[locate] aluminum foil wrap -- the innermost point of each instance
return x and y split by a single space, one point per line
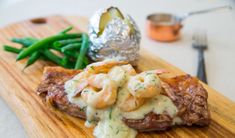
115 41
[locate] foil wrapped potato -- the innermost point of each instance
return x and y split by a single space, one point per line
113 35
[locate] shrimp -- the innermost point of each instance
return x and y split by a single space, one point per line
145 85
104 66
131 103
120 74
77 84
129 69
159 71
97 98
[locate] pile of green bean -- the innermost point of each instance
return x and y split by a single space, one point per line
72 49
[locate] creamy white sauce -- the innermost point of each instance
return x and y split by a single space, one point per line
111 125
78 101
70 89
177 121
70 86
158 105
118 75
108 122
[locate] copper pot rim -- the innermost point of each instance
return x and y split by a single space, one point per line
157 18
163 27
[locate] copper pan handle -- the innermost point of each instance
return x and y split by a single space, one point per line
206 11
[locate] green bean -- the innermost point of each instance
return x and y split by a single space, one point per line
67 62
32 59
51 56
12 49
66 30
75 55
25 42
43 43
70 65
74 46
86 61
62 43
56 48
71 54
64 60
83 50
83 66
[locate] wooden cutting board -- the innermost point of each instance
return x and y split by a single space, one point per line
17 88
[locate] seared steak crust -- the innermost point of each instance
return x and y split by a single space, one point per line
151 122
187 94
51 89
190 98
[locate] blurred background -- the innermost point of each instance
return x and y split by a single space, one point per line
220 27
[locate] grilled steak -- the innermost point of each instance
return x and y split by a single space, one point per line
151 122
186 92
190 98
51 89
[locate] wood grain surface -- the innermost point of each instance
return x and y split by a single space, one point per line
17 88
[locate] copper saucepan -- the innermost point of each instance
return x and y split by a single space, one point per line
166 27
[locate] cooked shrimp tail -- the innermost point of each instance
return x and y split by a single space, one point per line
101 91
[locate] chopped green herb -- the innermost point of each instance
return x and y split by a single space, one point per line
148 73
139 86
83 109
154 81
90 121
92 67
123 130
85 90
110 113
165 100
117 131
